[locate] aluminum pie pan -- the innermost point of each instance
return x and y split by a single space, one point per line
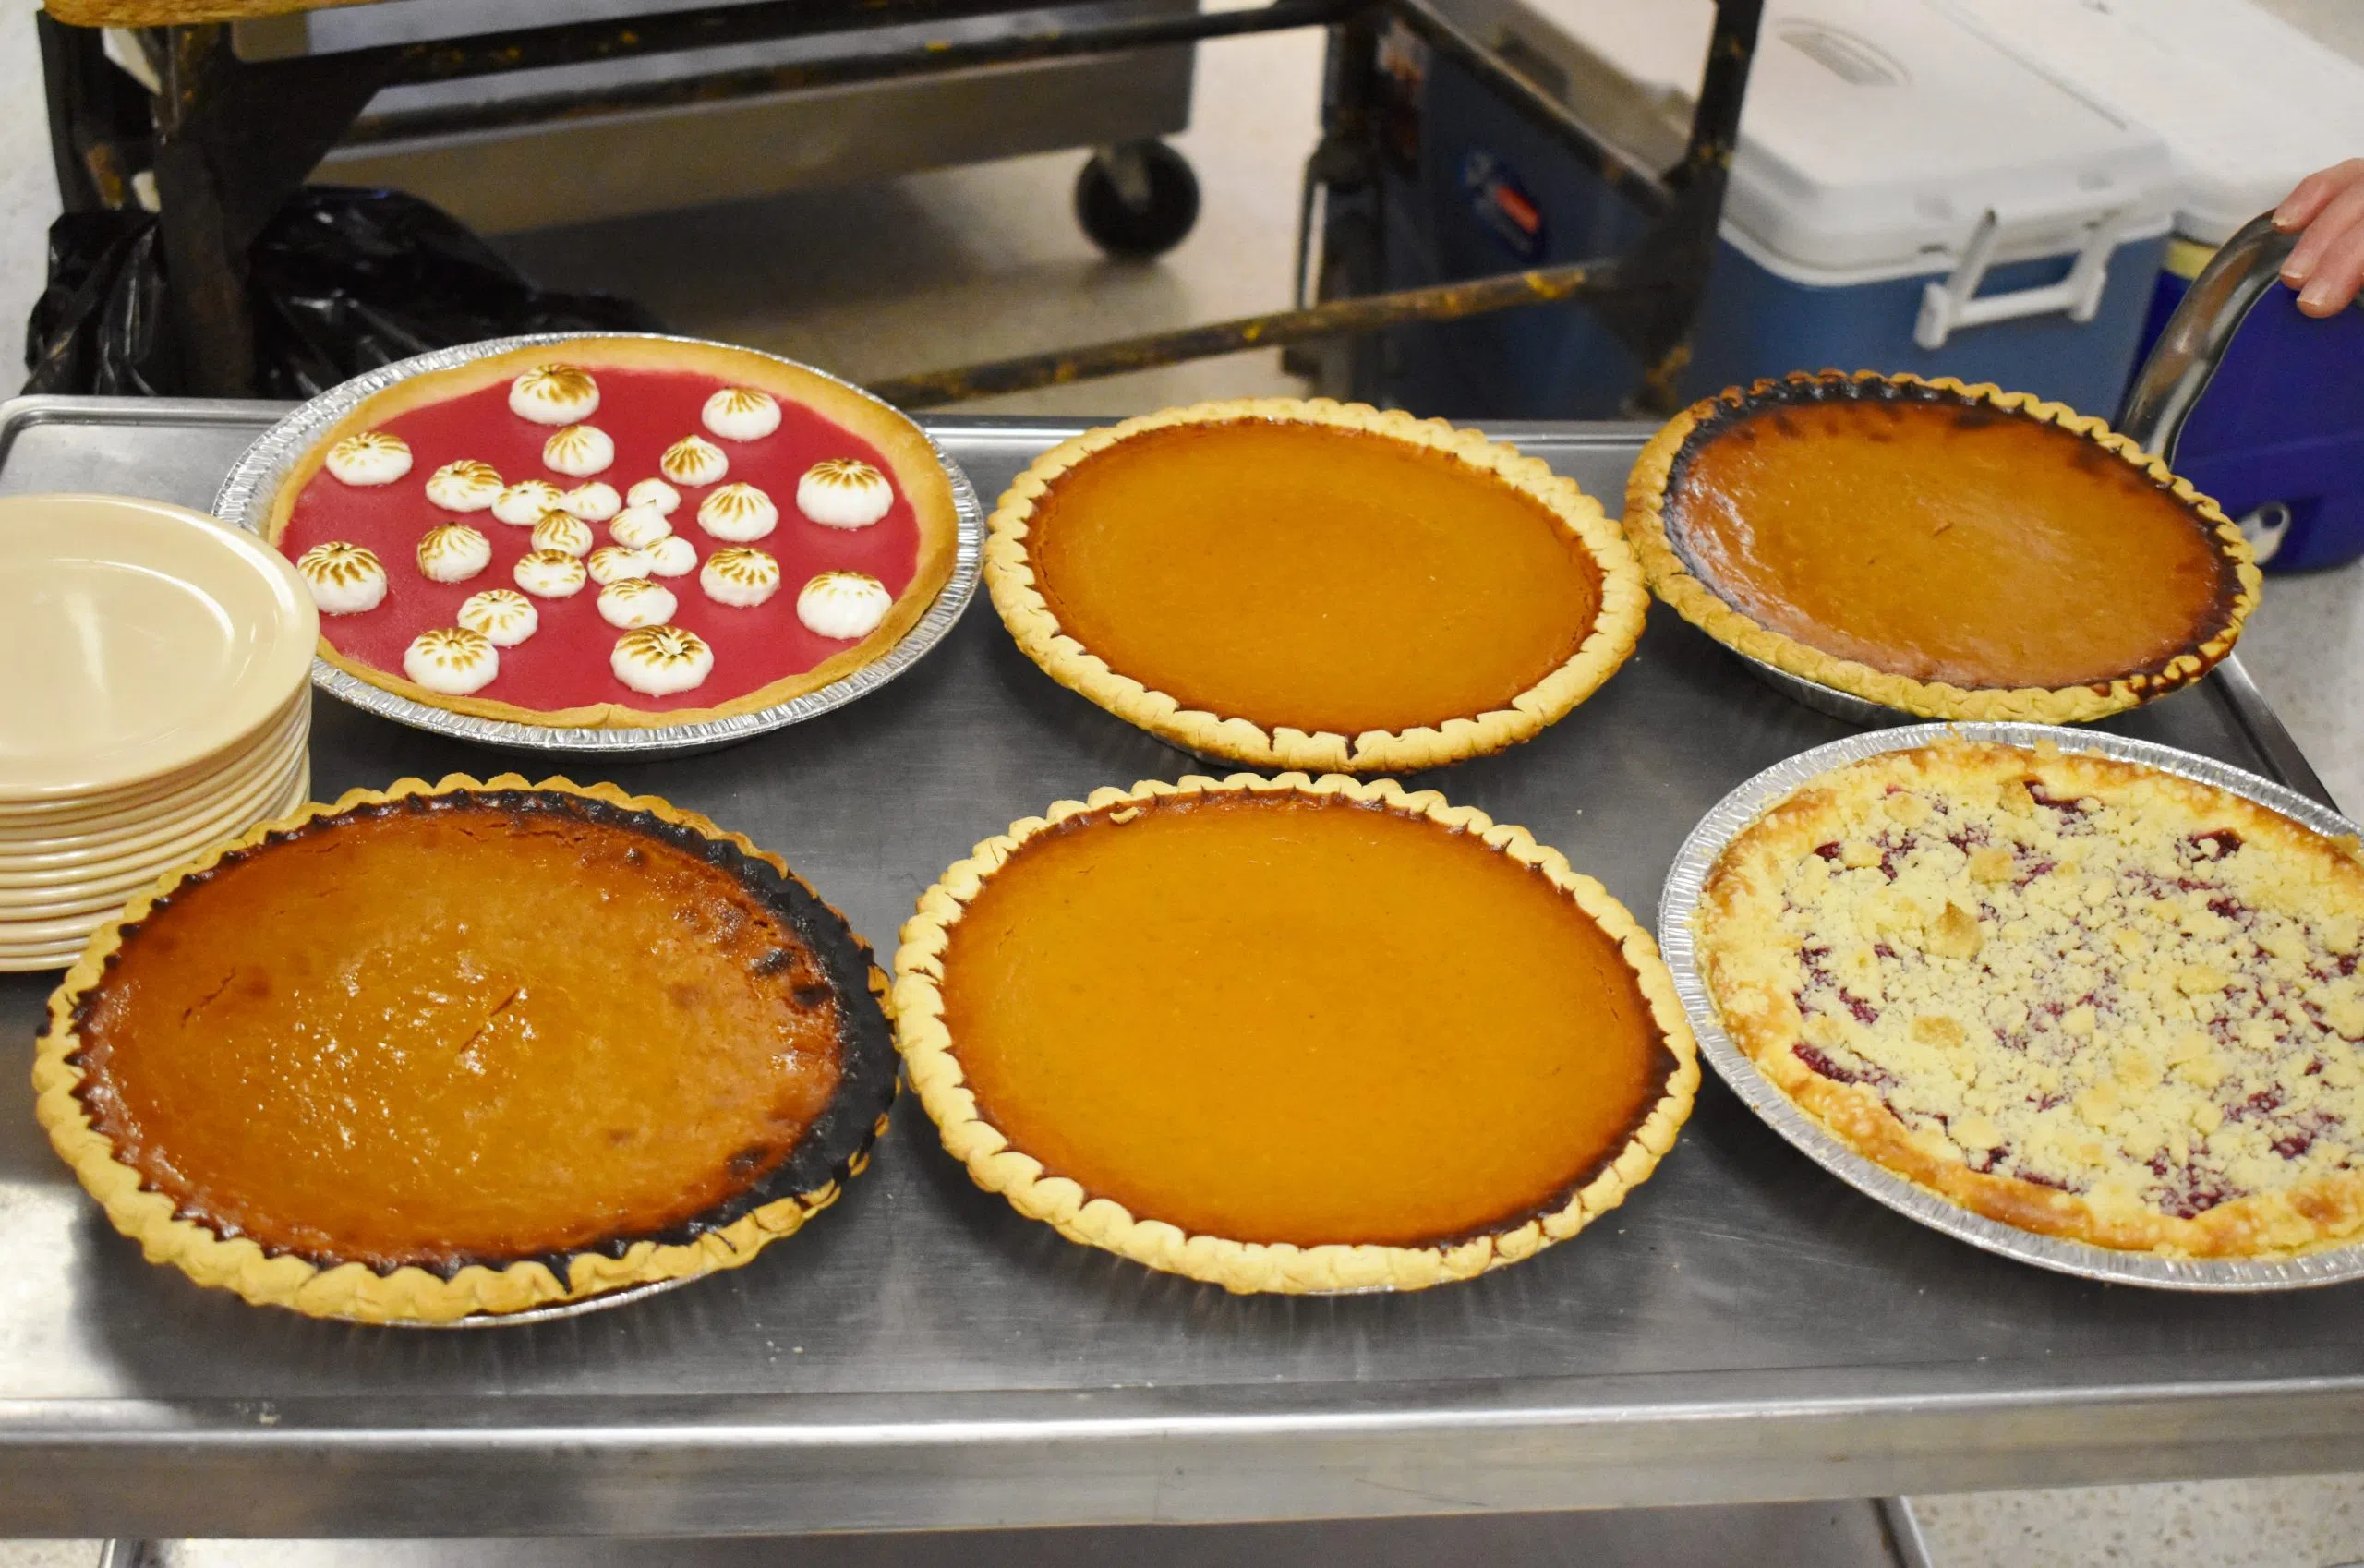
1726 820
246 496
575 1309
1823 699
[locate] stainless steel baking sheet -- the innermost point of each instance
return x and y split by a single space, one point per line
1744 1327
1732 816
245 500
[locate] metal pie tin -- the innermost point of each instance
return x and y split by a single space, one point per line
246 496
1736 811
574 1309
1822 698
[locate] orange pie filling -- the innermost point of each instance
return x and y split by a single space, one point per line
1292 1017
1945 541
1309 576
446 1031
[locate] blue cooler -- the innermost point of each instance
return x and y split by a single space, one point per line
2247 105
1906 196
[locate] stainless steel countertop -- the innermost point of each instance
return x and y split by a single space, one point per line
1745 1328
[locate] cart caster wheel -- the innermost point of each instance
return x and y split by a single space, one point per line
1137 200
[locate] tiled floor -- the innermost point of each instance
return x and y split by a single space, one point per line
965 264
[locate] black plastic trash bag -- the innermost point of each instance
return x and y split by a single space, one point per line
342 281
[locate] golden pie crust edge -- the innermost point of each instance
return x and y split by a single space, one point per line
1740 895
1617 626
355 1292
916 471
993 1163
1696 601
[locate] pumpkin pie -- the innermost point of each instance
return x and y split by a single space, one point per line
2073 993
1290 1034
1313 585
467 1050
551 474
1951 550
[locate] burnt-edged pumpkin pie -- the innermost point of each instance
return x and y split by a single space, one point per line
467 1050
620 532
1951 550
1291 1034
2073 994
1313 585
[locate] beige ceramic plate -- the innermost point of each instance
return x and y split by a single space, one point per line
32 939
180 792
141 838
18 961
163 638
120 874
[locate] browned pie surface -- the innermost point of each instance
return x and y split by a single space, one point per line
429 1036
1947 543
1291 1019
1301 575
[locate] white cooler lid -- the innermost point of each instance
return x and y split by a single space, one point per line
1877 134
2247 105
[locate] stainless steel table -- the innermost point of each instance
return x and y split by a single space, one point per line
1745 1328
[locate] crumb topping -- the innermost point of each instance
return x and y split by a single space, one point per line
2090 977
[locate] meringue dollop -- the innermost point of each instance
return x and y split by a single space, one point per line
693 460
741 414
671 556
453 552
844 492
594 502
563 531
464 486
613 563
505 616
638 527
579 452
844 605
661 660
739 577
523 503
635 601
550 574
451 661
369 457
554 395
655 494
738 513
344 579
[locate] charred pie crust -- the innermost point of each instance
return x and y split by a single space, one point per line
916 471
1658 469
835 1147
930 1059
1010 578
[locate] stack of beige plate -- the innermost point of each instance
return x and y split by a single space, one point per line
159 702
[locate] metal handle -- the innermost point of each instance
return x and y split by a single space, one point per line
2162 398
2187 355
1949 307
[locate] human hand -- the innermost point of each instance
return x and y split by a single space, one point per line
2327 265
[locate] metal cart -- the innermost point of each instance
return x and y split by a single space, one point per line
1743 1329
239 108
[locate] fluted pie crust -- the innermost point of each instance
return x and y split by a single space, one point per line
746 1221
1656 471
915 471
935 1073
2071 993
1011 577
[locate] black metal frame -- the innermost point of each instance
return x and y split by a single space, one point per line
230 139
